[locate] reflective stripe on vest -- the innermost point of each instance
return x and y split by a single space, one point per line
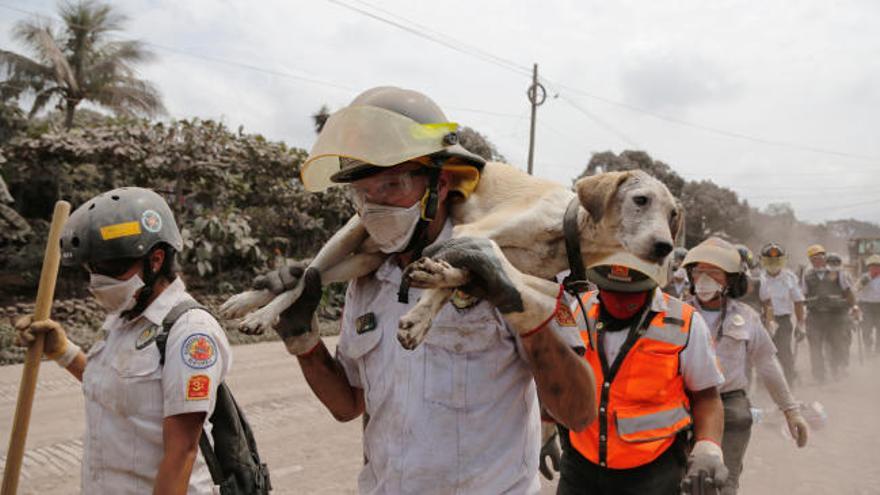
644 405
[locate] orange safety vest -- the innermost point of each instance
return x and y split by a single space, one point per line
642 404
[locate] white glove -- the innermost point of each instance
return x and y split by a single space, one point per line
706 457
55 345
797 426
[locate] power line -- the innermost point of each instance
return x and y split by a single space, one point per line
506 63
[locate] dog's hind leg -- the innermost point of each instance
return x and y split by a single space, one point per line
245 302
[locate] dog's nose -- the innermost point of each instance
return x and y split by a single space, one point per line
661 249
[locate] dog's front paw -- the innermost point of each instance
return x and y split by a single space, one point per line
413 326
242 304
257 322
427 273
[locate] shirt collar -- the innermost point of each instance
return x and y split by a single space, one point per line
157 310
658 302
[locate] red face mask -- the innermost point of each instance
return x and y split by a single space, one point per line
623 305
874 271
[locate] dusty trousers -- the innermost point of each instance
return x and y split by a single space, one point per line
737 431
579 476
871 326
830 338
784 348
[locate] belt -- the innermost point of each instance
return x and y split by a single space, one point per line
732 394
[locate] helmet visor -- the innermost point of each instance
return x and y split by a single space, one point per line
773 264
371 135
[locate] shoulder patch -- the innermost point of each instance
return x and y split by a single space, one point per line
146 337
199 351
365 323
197 387
564 317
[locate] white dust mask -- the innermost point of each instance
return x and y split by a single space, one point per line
391 226
114 295
706 288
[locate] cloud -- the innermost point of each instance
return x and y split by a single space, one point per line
674 82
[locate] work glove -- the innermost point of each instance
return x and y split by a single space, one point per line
281 279
706 468
550 450
797 426
855 313
55 344
298 325
488 281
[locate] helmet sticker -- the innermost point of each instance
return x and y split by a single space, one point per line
152 221
115 231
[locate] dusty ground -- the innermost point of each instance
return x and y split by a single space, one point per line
308 452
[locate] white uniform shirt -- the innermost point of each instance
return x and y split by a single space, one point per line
870 291
782 290
697 361
459 413
128 394
742 343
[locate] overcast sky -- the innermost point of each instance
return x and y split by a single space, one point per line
798 81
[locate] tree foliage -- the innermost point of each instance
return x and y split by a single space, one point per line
79 62
237 197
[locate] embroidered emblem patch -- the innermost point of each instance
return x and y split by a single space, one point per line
365 323
146 337
199 351
619 272
197 387
564 317
151 221
462 300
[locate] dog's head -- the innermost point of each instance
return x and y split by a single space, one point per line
635 210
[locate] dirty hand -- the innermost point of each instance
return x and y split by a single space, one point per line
489 281
855 313
298 325
55 344
800 331
550 449
797 426
281 279
705 457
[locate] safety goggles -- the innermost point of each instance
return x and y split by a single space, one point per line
715 273
112 268
388 189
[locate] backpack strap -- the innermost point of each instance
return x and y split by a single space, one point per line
170 319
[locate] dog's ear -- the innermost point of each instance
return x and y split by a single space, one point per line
676 224
596 192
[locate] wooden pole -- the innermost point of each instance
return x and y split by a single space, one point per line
28 385
537 94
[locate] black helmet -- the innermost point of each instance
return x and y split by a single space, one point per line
746 256
772 250
833 259
123 223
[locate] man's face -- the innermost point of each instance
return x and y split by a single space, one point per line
874 271
818 261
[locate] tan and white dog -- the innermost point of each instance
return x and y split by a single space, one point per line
523 215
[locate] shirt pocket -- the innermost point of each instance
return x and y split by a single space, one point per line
732 351
652 367
139 379
461 363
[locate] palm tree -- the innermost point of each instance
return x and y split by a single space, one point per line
80 63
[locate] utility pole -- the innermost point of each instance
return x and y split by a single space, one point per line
537 94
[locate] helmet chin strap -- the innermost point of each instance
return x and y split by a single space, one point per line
419 240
